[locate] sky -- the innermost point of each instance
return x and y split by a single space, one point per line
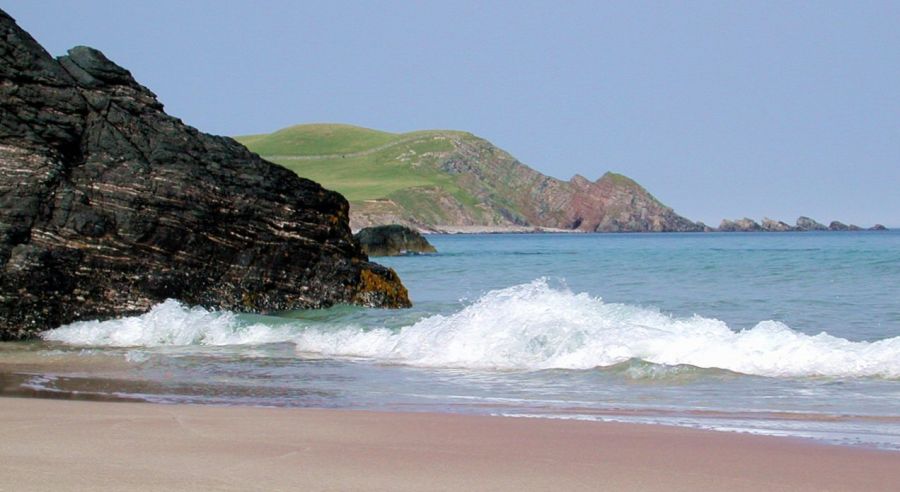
720 109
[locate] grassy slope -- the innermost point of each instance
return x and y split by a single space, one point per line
316 140
361 164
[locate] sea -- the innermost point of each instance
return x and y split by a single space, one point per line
785 334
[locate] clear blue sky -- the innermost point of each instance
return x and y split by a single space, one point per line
720 109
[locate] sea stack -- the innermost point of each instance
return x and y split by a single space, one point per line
108 206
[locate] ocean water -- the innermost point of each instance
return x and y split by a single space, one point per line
793 334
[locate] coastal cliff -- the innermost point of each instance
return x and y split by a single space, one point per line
109 206
442 180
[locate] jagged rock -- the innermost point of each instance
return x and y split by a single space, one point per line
392 240
613 203
108 206
740 225
807 224
838 226
878 227
770 225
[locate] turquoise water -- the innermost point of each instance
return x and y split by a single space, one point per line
785 334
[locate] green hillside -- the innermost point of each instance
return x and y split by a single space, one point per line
364 164
317 140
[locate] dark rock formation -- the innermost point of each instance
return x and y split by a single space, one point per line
853 227
878 227
807 224
108 206
392 240
740 225
770 225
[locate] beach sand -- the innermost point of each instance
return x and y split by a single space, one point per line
76 445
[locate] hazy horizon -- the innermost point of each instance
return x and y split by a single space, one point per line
719 110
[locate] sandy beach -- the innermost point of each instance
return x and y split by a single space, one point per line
75 445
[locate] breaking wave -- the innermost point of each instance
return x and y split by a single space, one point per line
532 326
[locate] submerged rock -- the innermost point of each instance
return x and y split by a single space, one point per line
807 224
109 206
392 240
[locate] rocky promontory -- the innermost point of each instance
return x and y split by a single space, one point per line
108 206
392 240
461 182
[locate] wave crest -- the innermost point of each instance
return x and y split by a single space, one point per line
168 323
532 326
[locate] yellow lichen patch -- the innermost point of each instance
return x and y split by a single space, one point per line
390 290
248 299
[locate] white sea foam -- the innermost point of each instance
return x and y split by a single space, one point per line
526 327
168 323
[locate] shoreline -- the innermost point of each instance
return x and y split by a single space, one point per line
474 230
77 445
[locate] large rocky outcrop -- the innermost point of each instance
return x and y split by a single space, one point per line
108 206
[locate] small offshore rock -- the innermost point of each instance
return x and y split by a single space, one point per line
838 226
806 224
770 225
740 225
878 227
392 240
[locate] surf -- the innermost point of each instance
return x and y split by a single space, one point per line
532 326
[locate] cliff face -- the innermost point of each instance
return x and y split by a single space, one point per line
523 196
108 206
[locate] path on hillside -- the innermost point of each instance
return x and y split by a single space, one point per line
361 153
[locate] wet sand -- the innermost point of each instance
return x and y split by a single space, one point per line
76 445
